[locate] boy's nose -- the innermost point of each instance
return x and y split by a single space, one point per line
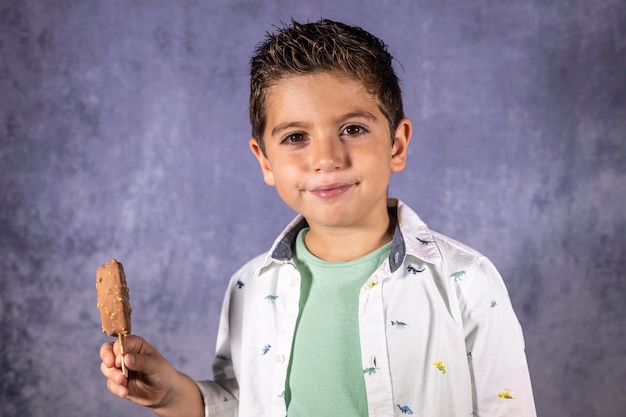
328 155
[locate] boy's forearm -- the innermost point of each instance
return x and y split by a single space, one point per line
185 400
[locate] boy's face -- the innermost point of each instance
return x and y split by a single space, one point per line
328 150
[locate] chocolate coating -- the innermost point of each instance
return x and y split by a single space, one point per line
113 298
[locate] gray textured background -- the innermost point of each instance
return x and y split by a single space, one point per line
124 132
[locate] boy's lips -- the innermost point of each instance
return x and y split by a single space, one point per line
329 191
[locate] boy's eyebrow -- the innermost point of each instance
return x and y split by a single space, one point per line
289 125
358 113
284 126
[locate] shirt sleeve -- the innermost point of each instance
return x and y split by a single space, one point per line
221 396
495 348
219 400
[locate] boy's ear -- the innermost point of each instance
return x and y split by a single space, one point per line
266 168
400 146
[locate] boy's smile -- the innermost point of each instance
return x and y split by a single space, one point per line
329 153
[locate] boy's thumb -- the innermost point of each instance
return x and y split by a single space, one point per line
135 344
144 363
140 356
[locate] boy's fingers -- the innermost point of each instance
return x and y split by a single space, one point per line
113 374
139 355
117 389
107 355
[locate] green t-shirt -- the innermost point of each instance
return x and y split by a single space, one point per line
325 376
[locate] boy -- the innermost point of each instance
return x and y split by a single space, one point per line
358 308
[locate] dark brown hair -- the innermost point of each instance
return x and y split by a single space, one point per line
306 48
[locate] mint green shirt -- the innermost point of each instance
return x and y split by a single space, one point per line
325 376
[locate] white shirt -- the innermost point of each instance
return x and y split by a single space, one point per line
438 333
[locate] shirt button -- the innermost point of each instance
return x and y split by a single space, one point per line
280 358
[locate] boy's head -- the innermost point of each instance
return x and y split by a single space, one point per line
323 46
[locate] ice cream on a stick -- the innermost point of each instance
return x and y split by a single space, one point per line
114 303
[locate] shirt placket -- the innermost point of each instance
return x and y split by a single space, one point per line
374 353
287 310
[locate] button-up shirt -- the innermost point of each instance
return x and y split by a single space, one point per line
438 333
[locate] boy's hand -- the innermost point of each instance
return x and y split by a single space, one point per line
152 381
147 384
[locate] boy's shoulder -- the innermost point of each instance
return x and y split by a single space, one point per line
431 245
252 266
452 247
466 268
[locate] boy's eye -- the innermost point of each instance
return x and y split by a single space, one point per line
293 138
354 130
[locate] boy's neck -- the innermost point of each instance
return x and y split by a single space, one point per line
347 244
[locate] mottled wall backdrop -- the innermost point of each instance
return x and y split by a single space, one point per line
124 132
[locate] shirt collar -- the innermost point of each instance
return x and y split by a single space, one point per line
411 237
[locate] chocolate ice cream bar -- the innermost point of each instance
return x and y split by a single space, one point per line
114 302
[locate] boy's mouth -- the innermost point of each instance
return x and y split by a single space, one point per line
330 191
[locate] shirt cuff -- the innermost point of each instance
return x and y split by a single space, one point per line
218 400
